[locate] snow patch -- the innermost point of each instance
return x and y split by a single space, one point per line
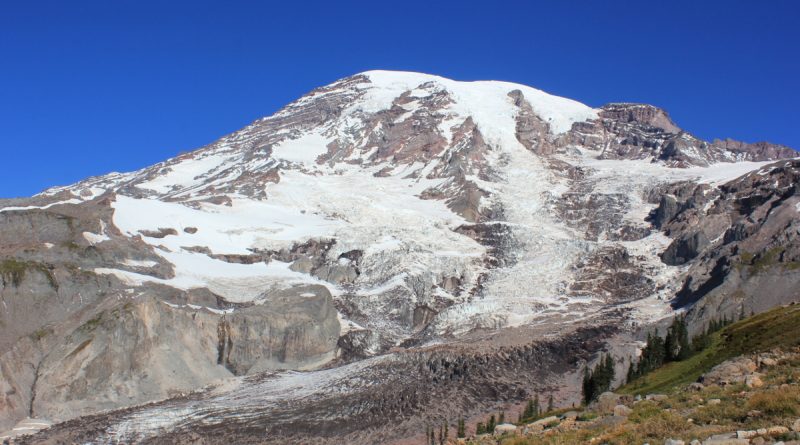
304 150
486 101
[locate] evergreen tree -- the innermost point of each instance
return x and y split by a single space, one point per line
676 344
480 429
536 409
441 436
550 406
598 380
683 340
631 371
670 344
491 424
652 354
446 432
462 431
586 388
527 413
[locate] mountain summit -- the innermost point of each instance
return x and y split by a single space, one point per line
391 246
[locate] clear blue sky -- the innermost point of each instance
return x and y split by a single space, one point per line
88 87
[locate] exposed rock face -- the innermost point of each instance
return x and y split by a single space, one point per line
685 248
641 114
127 355
532 131
295 328
417 386
638 131
420 245
749 236
610 273
132 353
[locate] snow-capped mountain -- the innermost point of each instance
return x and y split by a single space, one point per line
388 221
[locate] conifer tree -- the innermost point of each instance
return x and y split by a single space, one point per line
586 387
462 431
598 380
527 413
683 340
631 371
480 429
536 407
550 406
491 424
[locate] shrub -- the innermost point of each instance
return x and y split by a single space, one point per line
777 402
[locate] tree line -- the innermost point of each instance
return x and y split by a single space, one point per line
675 346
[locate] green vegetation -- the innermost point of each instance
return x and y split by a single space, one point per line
777 327
598 380
531 410
92 323
431 438
688 415
764 261
14 271
71 245
41 333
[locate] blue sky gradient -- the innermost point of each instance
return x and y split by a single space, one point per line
89 87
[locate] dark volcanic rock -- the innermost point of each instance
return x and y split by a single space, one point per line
685 248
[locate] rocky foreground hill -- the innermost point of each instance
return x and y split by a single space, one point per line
390 250
742 388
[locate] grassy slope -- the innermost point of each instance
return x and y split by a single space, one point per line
779 327
651 422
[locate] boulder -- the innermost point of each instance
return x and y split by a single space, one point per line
768 361
505 428
696 386
569 415
606 402
622 410
725 441
796 426
656 397
730 372
714 401
776 430
673 442
746 434
753 381
544 422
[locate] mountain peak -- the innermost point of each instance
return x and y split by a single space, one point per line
386 211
